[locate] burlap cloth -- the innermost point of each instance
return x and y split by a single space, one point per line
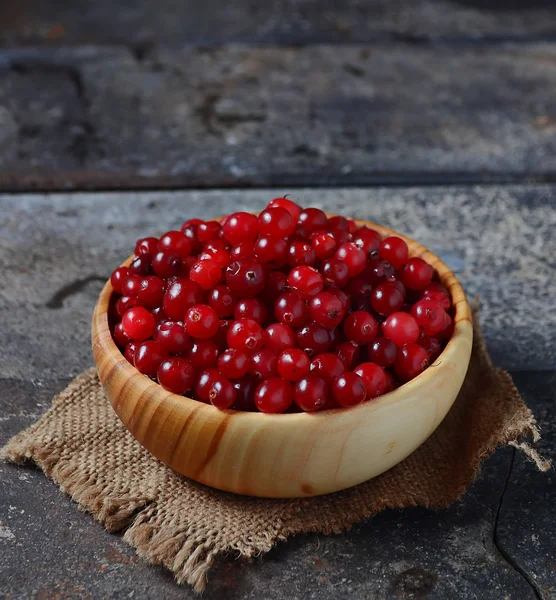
81 444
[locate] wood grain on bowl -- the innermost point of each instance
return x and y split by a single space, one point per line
286 455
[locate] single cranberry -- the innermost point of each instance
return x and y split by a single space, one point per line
431 344
159 315
275 284
354 258
324 245
181 295
293 364
328 366
342 297
417 274
208 231
310 220
204 384
148 357
447 329
177 242
222 393
313 338
340 237
271 250
251 308
291 310
124 303
121 338
393 280
264 363
349 389
173 337
201 321
273 395
386 299
206 273
367 240
279 337
130 350
189 230
216 255
220 299
352 226
141 265
394 250
151 292
390 382
147 245
412 359
246 334
429 315
293 208
360 291
383 352
245 277
233 364
301 253
349 354
327 309
117 279
131 284
240 227
306 280
401 328
436 291
310 393
276 221
335 273
176 375
138 323
339 223
167 263
245 393
203 354
360 327
374 378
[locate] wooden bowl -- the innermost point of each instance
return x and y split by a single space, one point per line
289 455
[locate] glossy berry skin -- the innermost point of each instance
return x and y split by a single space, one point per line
233 364
311 219
374 378
206 273
342 297
279 337
328 366
120 336
324 245
301 253
401 328
159 315
138 324
308 282
247 335
417 274
273 395
349 354
240 227
335 273
313 338
245 277
349 389
181 295
264 364
124 303
177 375
271 251
386 299
431 345
217 251
429 315
141 265
150 292
203 354
311 393
412 360
204 384
221 300
117 279
327 309
276 221
436 291
147 245
201 321
148 357
208 231
167 263
243 250
275 284
222 393
177 242
447 328
130 285
251 308
339 223
367 240
129 352
383 352
353 257
360 327
245 393
394 250
173 337
293 208
360 292
293 364
291 310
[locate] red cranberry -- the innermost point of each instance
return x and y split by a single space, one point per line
221 301
206 273
222 393
173 337
311 393
203 354
147 245
276 221
131 284
181 295
201 321
176 375
243 250
349 354
151 292
447 329
335 273
429 315
293 364
276 283
383 352
313 338
394 250
245 393
233 364
177 242
417 274
327 309
291 310
129 353
245 277
271 250
167 263
306 280
360 327
374 378
124 303
301 253
251 308
339 223
204 384
401 328
349 389
208 231
342 297
279 336
148 357
367 240
360 292
293 208
264 363
246 334
386 299
328 366
117 279
138 323
412 359
324 245
431 345
241 227
353 257
390 382
120 336
310 220
220 337
436 291
141 265
273 395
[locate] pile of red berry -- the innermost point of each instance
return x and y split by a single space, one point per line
287 311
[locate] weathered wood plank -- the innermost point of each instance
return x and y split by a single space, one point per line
276 116
56 251
273 21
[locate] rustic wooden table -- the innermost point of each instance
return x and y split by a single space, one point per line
436 118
